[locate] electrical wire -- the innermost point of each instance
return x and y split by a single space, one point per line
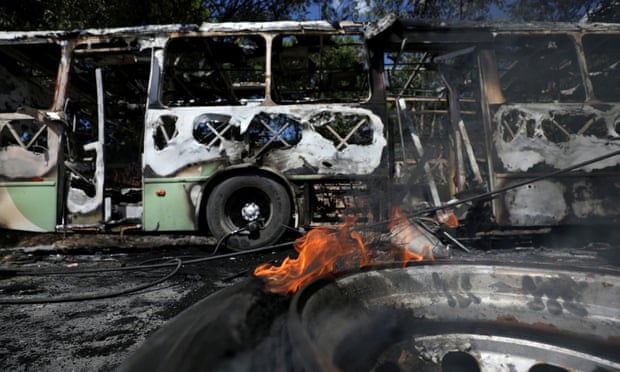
17 272
176 262
490 194
46 300
224 238
502 190
240 253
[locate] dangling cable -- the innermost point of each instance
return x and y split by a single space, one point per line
47 300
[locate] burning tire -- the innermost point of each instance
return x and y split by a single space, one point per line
248 211
442 317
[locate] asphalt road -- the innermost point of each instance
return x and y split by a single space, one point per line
82 334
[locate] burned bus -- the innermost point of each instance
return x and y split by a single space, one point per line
243 130
498 105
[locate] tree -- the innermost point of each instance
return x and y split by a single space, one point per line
513 10
441 9
26 14
254 10
550 10
606 11
77 14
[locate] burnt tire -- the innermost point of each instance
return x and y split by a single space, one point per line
224 211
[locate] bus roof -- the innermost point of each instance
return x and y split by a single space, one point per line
384 29
394 24
288 26
34 37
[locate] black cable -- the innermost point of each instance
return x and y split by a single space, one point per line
177 261
47 300
491 194
92 271
224 238
240 253
15 272
143 263
518 184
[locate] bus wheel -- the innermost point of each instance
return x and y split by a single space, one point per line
248 212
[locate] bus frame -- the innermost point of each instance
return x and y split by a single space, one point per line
246 129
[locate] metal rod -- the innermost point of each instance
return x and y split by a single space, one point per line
458 244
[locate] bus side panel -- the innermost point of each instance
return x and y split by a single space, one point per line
29 172
168 205
28 206
31 132
562 109
567 200
534 139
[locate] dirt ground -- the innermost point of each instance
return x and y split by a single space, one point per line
99 334
39 334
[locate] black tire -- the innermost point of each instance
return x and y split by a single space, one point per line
228 198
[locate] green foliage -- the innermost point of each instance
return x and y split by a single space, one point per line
75 14
512 10
550 10
606 11
441 9
254 10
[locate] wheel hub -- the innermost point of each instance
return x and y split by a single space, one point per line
250 212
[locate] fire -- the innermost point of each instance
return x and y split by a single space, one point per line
409 239
320 251
323 251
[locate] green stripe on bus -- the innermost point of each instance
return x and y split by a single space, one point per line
36 201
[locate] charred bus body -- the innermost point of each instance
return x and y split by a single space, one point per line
223 127
521 102
248 128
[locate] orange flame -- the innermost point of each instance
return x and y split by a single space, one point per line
320 250
323 251
448 218
404 235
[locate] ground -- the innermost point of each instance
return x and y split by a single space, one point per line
37 334
100 334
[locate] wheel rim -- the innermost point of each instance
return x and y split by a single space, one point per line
489 312
247 205
250 212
